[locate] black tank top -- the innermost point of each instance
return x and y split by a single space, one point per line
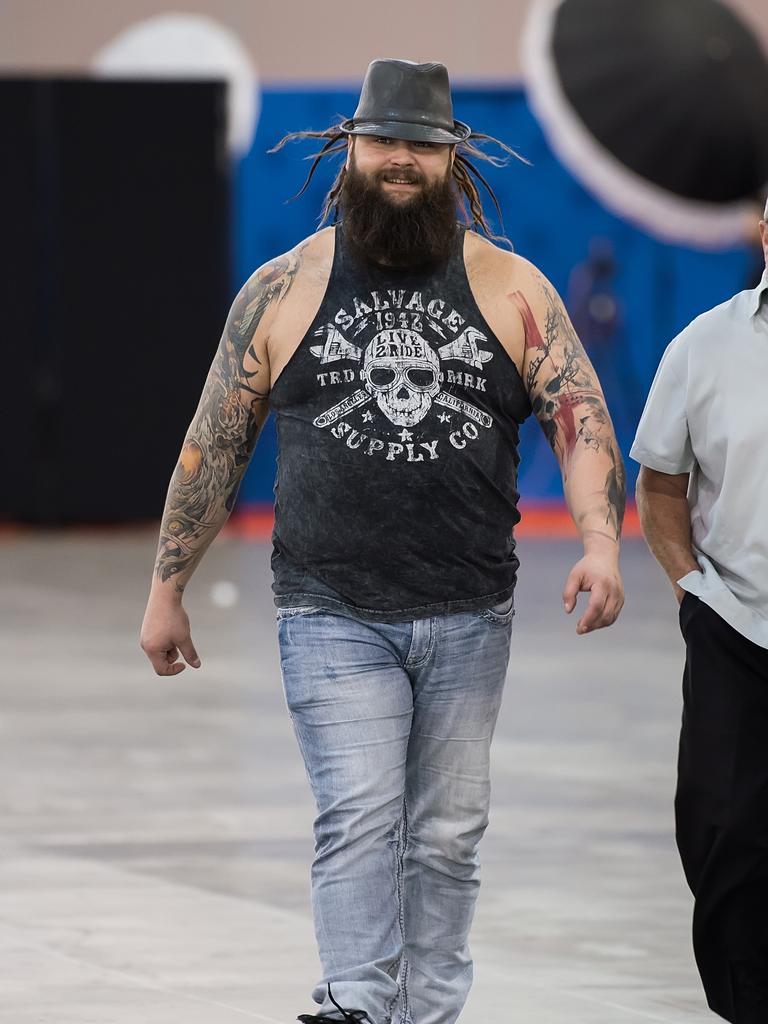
397 424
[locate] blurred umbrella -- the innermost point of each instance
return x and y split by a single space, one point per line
659 107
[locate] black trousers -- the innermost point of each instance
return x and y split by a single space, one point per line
721 810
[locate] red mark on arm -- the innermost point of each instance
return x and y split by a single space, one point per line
533 338
566 403
567 421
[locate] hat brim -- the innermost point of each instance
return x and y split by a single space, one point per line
409 132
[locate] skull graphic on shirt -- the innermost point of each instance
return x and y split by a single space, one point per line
402 372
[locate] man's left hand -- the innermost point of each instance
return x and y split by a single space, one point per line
598 574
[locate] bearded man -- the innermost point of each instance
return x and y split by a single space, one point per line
400 352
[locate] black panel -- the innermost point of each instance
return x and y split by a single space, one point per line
115 217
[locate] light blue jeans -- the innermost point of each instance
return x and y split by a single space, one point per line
394 722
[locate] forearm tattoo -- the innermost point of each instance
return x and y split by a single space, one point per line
223 432
566 398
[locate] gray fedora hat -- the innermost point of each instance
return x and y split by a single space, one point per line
404 100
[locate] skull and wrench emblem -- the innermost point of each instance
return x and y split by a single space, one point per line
402 372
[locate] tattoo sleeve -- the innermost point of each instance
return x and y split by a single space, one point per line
222 435
568 402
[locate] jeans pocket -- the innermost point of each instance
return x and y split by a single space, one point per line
500 614
292 612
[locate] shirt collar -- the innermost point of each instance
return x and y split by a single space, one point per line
756 297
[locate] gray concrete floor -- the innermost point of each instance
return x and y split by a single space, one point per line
156 833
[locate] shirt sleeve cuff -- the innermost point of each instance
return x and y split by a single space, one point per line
662 465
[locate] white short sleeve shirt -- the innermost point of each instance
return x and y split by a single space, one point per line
707 415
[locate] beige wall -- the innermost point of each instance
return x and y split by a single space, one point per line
314 40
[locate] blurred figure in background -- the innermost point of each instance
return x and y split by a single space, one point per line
399 390
702 494
592 299
598 317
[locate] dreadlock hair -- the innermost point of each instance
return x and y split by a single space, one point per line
462 169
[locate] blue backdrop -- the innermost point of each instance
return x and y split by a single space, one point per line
548 216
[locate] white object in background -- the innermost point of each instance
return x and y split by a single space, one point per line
190 46
224 594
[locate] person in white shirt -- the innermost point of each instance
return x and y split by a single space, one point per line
702 495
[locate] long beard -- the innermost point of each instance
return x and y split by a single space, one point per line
397 233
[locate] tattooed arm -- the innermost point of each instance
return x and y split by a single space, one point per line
568 402
214 456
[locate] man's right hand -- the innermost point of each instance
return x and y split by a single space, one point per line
165 636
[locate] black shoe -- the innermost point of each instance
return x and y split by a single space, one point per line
356 1016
